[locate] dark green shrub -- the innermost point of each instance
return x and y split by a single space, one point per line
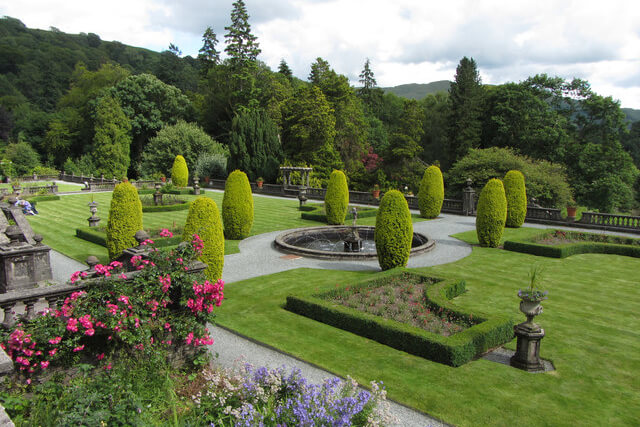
492 214
166 208
336 199
204 220
394 231
546 181
516 194
125 218
317 213
179 172
431 194
237 206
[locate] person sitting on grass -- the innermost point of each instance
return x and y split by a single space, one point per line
27 208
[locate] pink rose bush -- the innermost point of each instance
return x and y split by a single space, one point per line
159 306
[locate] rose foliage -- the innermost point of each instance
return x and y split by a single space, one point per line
159 307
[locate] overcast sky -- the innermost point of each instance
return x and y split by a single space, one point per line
407 41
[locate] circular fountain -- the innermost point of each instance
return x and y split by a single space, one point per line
342 242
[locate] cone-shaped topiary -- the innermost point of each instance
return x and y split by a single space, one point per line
204 220
516 194
394 231
179 172
336 199
492 214
431 193
237 206
125 219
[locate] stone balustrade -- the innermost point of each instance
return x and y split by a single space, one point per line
610 221
535 214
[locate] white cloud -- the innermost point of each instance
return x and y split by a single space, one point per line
408 41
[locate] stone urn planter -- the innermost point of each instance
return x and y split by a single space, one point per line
530 309
375 192
259 182
571 212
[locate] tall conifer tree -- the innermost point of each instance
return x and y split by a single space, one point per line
466 97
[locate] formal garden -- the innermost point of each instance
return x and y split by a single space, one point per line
130 345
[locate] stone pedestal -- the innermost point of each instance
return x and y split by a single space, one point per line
527 355
196 186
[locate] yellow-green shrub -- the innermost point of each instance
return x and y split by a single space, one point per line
336 199
204 220
237 206
394 231
516 194
431 193
492 214
180 172
125 219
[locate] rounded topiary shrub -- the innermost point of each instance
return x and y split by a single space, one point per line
394 231
125 219
179 172
336 199
516 194
431 193
492 214
204 220
237 206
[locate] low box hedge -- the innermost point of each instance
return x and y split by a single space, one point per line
99 237
531 246
166 208
454 350
183 191
317 213
43 198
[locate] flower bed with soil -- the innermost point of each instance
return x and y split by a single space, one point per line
410 312
563 243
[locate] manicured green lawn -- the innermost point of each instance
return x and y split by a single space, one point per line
62 187
59 219
592 337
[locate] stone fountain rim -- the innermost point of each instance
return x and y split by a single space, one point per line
344 256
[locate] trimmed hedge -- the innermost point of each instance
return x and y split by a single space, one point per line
237 206
204 219
492 214
179 172
516 194
44 198
125 219
316 213
95 235
454 350
166 208
183 191
394 231
431 193
336 199
529 246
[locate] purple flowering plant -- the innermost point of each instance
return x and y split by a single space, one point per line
532 293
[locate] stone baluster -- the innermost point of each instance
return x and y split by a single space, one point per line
9 319
29 308
54 301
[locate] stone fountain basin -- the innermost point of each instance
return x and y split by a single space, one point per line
294 242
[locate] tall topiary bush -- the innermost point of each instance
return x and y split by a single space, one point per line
204 220
179 172
336 199
394 231
237 206
125 219
492 214
516 194
431 193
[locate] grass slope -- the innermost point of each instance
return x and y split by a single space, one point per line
590 321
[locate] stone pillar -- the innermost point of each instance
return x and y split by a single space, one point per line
93 219
157 196
469 199
196 187
527 355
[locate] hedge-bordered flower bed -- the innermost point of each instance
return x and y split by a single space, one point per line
454 350
593 244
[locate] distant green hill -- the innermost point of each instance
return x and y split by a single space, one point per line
417 90
632 115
